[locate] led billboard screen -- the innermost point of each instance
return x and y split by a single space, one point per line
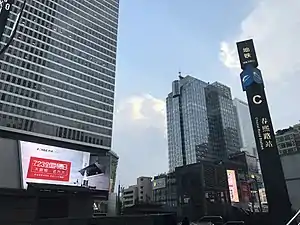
234 195
54 165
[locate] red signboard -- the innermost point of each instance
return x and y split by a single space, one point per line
48 169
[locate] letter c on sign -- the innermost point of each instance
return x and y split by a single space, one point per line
257 99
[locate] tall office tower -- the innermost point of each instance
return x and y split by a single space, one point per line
246 136
58 76
187 122
223 131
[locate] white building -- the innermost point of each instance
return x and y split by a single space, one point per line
129 196
139 193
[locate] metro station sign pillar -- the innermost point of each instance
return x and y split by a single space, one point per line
275 185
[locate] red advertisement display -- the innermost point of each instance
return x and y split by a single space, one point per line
49 169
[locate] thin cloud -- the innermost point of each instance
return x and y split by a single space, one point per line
274 26
139 137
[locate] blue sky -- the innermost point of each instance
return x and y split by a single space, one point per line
157 38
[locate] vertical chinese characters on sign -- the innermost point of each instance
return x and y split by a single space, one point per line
246 52
266 132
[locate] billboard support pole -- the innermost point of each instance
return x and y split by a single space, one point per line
276 190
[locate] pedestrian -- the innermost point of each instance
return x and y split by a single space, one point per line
185 221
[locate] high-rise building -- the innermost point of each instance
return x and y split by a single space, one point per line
246 135
58 76
187 122
200 122
223 133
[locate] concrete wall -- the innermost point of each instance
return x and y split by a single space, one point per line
78 206
291 168
112 204
144 185
129 196
9 164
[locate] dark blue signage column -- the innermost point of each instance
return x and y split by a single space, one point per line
275 186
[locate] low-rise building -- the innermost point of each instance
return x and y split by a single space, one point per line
130 196
144 185
164 190
138 193
288 142
206 188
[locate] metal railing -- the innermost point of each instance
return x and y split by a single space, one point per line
293 218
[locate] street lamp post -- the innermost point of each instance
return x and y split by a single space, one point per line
5 7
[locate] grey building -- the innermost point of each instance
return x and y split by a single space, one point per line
291 168
200 122
144 185
58 76
187 122
165 190
246 135
138 193
130 196
223 131
288 142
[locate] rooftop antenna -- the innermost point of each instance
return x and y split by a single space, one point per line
179 75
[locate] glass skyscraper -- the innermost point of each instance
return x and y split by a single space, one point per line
246 135
58 76
187 123
201 122
223 130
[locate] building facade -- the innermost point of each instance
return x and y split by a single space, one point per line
58 76
144 185
130 196
246 135
223 131
201 122
203 188
139 193
164 190
187 123
288 142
